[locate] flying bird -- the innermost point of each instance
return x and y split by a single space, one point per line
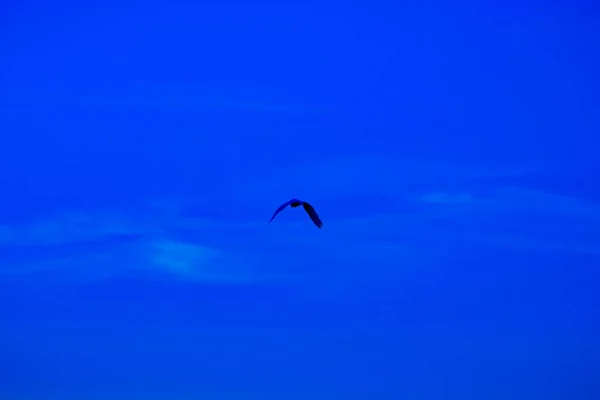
307 207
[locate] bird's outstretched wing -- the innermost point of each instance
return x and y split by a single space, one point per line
281 207
312 214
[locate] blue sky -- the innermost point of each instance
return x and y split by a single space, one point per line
451 152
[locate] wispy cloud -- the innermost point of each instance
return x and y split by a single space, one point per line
379 176
408 220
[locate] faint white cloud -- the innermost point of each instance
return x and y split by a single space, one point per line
73 261
192 261
367 246
352 176
70 227
197 262
99 245
450 206
535 202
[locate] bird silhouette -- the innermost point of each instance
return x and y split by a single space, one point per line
307 207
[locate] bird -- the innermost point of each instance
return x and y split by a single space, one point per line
307 207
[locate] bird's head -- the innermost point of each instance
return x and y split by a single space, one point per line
295 203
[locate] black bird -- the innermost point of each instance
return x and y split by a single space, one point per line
307 207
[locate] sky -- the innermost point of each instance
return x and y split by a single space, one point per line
450 150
